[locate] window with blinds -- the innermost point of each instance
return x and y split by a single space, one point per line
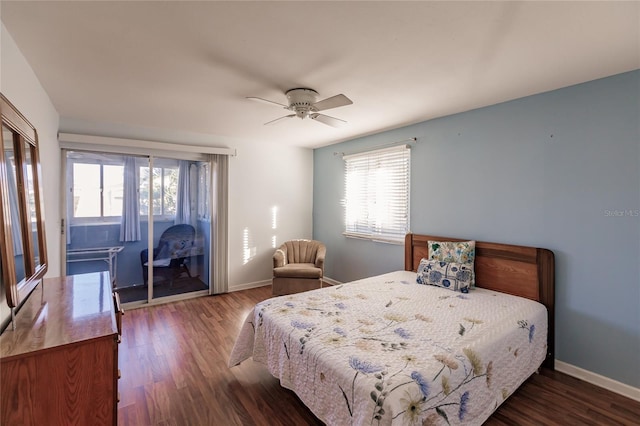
377 194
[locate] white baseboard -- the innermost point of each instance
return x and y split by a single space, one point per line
598 380
247 286
330 281
256 284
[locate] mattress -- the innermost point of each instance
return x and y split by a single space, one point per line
388 351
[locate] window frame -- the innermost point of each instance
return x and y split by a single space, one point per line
88 220
367 225
93 158
162 165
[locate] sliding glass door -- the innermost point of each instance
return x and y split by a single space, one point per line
144 219
178 261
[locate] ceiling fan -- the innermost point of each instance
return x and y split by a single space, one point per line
303 102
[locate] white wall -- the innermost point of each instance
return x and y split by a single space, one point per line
266 180
20 85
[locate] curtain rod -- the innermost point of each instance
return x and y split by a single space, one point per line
372 148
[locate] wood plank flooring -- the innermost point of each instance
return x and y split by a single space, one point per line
173 360
162 289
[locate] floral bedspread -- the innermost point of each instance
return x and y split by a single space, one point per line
388 351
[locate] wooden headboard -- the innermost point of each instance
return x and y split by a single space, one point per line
519 270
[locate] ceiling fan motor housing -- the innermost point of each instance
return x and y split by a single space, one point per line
301 101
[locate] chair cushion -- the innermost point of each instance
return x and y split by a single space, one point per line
298 270
162 263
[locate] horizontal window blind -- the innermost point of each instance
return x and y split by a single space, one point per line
377 194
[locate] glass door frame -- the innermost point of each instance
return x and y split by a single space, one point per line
151 300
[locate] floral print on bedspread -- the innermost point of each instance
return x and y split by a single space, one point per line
387 351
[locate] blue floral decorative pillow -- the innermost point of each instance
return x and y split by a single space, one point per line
450 275
463 252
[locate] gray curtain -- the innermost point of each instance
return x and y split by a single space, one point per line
219 216
130 220
183 205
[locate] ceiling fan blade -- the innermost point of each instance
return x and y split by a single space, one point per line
266 101
329 121
332 102
269 123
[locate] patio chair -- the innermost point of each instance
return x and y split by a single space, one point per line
171 257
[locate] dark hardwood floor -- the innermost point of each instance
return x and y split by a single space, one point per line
173 359
165 288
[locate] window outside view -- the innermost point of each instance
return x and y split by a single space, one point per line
98 190
165 191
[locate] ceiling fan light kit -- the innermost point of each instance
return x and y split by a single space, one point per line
303 103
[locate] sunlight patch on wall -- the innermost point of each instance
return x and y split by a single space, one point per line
274 217
248 248
274 225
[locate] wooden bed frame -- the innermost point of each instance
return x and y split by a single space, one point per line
519 270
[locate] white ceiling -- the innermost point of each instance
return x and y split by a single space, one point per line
188 66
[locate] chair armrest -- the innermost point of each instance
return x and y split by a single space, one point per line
322 251
280 257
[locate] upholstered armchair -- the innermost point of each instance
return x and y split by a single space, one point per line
298 265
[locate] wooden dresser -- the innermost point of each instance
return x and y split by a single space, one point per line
60 365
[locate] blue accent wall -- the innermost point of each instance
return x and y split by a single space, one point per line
559 170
